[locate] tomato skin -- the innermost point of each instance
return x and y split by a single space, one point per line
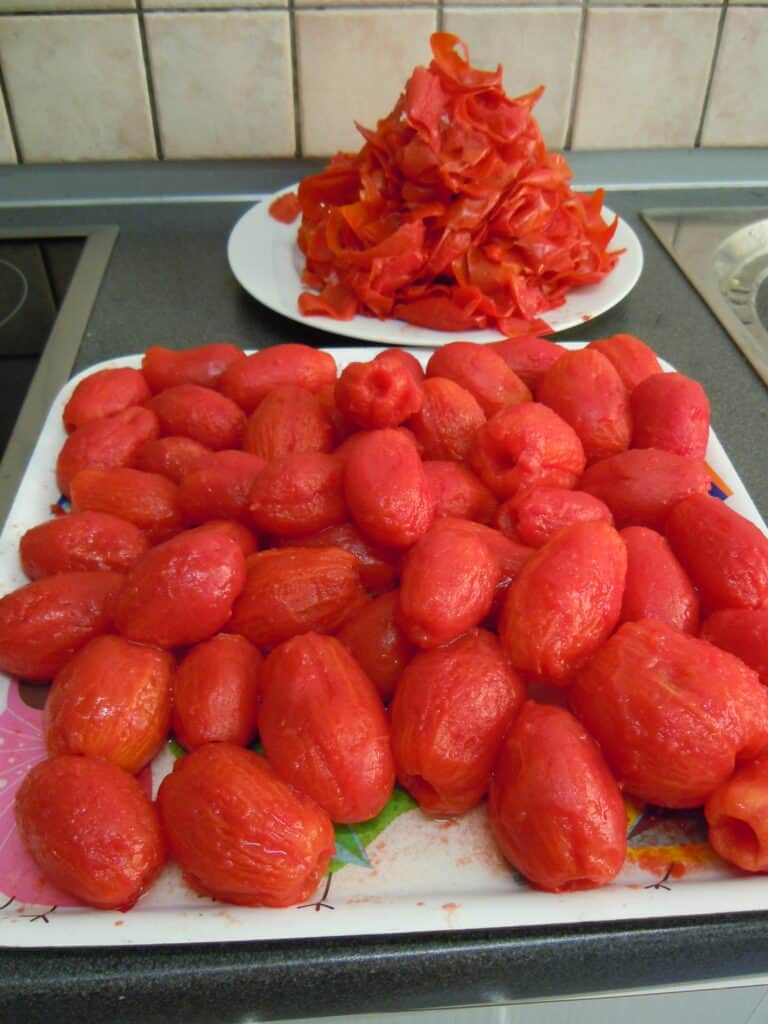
386 489
373 637
182 591
204 364
171 456
113 700
190 410
248 381
457 492
43 623
377 394
91 829
670 411
447 585
525 446
724 554
632 358
451 708
299 494
216 692
448 420
220 487
737 813
585 389
241 834
743 632
81 542
640 486
324 728
656 586
148 500
105 443
289 591
556 811
104 393
565 601
287 420
482 372
671 713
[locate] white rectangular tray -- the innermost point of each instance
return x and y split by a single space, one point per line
413 874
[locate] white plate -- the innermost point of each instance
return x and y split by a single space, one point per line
415 875
266 260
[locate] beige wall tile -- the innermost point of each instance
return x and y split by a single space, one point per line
150 5
643 77
352 66
77 87
663 3
7 148
26 6
737 111
223 85
535 46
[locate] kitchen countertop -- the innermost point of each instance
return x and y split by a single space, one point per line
168 283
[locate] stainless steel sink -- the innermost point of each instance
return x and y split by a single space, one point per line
724 254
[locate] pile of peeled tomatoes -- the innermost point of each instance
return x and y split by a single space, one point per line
453 215
501 578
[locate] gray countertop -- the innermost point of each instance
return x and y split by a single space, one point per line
168 283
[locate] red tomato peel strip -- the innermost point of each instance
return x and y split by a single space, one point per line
453 215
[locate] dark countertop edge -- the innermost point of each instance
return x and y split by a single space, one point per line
180 180
135 984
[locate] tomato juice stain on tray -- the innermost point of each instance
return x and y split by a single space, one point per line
453 217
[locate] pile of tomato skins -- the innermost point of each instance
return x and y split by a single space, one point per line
453 215
503 577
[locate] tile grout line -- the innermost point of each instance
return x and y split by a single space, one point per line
6 100
440 16
711 76
298 148
577 74
152 99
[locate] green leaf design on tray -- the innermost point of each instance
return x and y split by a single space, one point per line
351 840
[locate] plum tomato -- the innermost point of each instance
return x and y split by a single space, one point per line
249 380
555 809
289 419
220 487
377 394
379 567
43 623
113 700
737 816
171 456
387 490
529 356
544 511
657 586
148 500
457 492
447 586
191 410
451 709
216 692
244 538
105 443
526 446
104 393
585 389
641 485
298 494
81 542
204 364
743 632
289 591
448 420
671 713
324 728
241 834
632 358
375 640
482 372
724 554
91 829
670 411
565 601
182 591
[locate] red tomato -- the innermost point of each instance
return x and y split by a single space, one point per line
657 586
375 640
104 393
737 815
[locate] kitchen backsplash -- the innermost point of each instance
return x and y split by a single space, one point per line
85 80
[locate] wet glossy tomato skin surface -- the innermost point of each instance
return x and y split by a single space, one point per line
81 542
104 393
672 713
657 586
556 811
241 834
91 829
